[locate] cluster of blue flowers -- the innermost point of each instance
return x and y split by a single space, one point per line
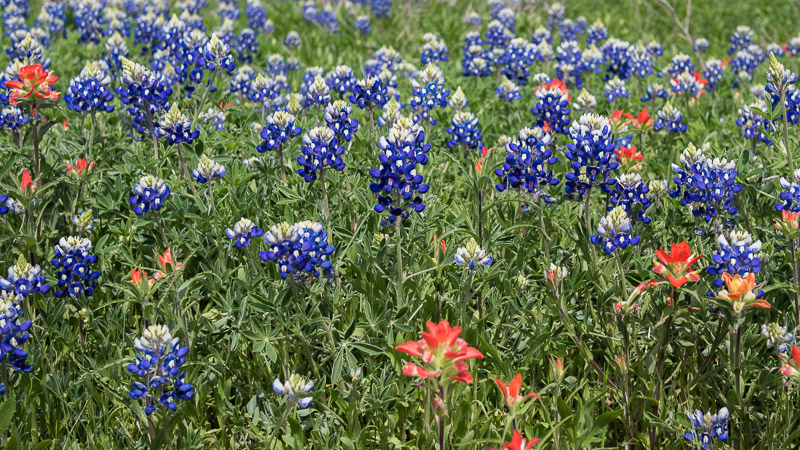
243 231
299 249
527 165
279 129
669 118
321 148
751 123
707 184
614 231
76 277
89 92
630 192
13 334
145 92
738 254
176 127
369 93
706 427
465 131
24 279
149 194
428 93
397 184
337 118
790 196
592 155
552 108
159 359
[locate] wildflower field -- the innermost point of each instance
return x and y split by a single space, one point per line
399 224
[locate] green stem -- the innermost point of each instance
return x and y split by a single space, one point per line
398 244
786 133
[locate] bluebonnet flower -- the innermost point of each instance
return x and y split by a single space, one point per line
428 93
263 90
363 24
713 73
52 18
11 118
585 101
321 148
89 92
495 6
630 192
74 263
688 83
337 118
83 222
518 56
741 39
397 184
508 18
618 58
528 164
146 93
777 336
369 93
318 93
471 255
679 64
552 107
790 197
592 155
752 124
669 118
570 66
89 20
508 90
242 80
215 117
458 101
541 35
433 49
292 39
655 49
465 131
390 114
775 49
708 185
243 231
13 334
706 427
497 35
570 30
381 8
793 47
300 249
257 16
615 88
701 45
596 33
555 15
116 48
228 10
640 60
176 127
473 18
327 18
294 388
614 231
159 358
593 60
217 56
146 32
149 194
341 79
743 64
279 129
24 279
28 51
246 45
208 170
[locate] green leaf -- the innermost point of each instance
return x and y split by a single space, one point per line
7 412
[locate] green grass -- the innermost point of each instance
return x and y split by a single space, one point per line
245 327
